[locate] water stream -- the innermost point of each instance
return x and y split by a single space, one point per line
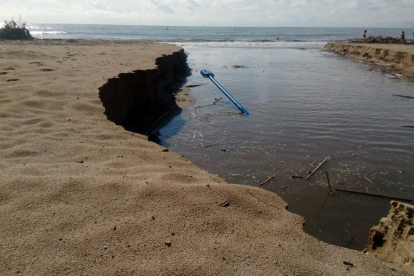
306 104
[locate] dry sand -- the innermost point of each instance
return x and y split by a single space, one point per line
82 196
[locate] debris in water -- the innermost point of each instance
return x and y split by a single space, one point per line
320 165
403 96
239 66
268 180
209 146
194 85
376 195
369 180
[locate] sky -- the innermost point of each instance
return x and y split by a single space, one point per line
234 13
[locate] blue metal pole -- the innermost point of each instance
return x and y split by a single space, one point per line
208 74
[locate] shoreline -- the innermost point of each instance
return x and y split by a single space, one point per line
84 196
395 57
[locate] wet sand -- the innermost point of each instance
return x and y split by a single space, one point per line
81 196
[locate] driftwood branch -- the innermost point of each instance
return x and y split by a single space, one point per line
376 195
403 96
267 181
369 180
317 168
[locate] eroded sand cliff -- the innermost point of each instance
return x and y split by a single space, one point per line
396 57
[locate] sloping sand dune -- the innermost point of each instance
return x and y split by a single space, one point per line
82 196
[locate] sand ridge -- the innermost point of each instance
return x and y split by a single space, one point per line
79 195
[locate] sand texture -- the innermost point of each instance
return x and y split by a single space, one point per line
80 195
396 57
393 239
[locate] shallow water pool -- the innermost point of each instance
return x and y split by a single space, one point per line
306 104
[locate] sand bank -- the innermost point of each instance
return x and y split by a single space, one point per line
80 195
399 58
392 240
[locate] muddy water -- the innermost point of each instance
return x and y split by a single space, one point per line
306 104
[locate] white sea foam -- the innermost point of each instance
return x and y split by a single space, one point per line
40 33
253 44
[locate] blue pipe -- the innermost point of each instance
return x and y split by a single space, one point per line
209 75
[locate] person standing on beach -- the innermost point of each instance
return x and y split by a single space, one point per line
403 38
365 34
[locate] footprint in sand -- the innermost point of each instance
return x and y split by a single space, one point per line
10 80
9 69
46 70
3 73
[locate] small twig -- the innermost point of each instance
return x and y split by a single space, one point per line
369 180
216 101
195 116
376 195
267 181
329 183
194 85
320 165
403 96
225 204
209 146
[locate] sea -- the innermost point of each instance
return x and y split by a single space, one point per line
306 104
205 34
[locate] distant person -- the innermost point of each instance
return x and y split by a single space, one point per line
365 34
403 38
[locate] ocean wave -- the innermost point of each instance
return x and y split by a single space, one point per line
246 43
47 32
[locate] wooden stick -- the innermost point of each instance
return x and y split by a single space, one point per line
320 165
329 183
369 180
195 116
216 101
403 96
376 195
267 181
208 146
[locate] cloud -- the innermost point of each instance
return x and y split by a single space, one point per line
277 13
162 7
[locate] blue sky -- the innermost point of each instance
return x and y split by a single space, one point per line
254 13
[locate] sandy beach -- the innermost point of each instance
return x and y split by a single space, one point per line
396 57
80 195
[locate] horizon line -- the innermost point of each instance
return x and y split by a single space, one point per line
201 26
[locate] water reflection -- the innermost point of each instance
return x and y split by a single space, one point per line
305 105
